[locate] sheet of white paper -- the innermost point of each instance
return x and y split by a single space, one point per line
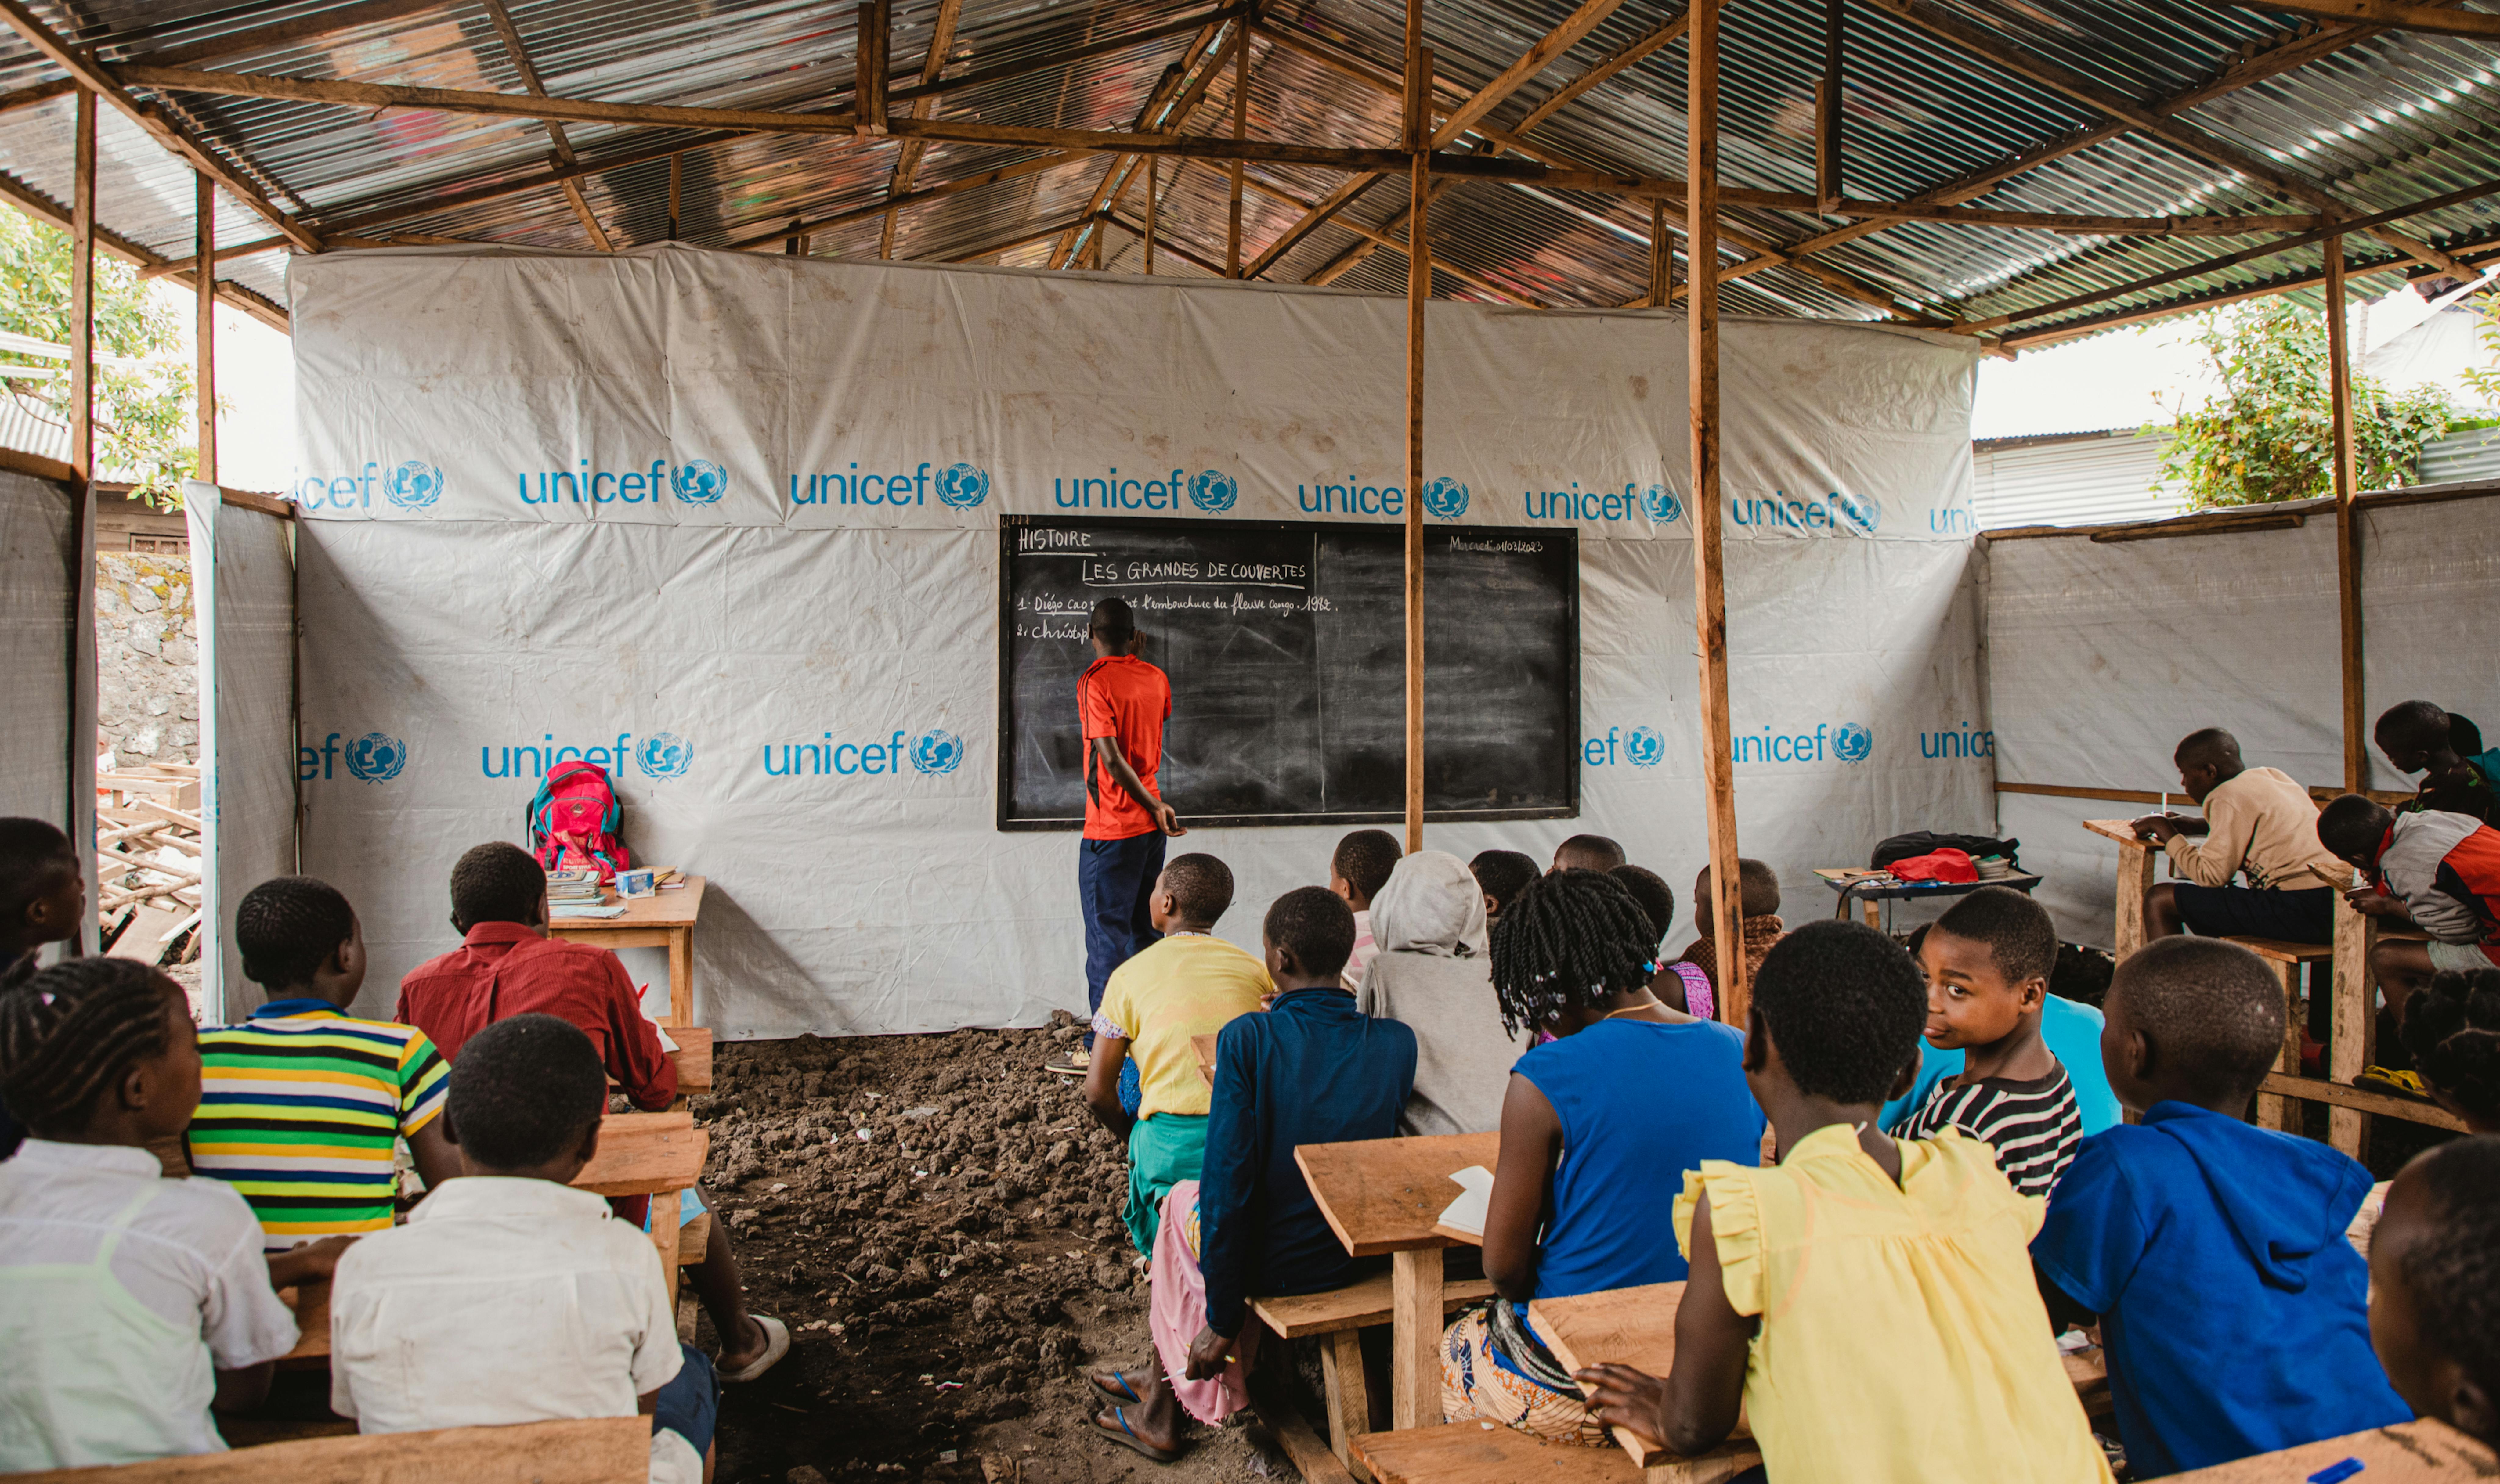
586 910
1466 1213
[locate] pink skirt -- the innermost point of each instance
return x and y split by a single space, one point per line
1176 1311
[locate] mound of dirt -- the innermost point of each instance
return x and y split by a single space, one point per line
938 1220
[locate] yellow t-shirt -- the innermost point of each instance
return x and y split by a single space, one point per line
1903 1339
1188 984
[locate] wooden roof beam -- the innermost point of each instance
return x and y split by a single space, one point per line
2388 15
1394 244
510 36
53 214
906 160
1163 114
1548 50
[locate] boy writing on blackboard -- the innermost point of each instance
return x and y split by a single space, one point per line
1123 702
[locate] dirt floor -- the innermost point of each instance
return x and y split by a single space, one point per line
938 1220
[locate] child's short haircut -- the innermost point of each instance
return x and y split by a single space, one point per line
2354 825
1758 890
524 1091
1501 874
2453 1265
1650 890
2413 724
70 1032
2016 930
1316 925
287 928
2206 747
2453 1028
1200 886
1364 858
1845 1006
1114 620
1589 852
2210 1008
33 856
1567 941
497 882
2464 738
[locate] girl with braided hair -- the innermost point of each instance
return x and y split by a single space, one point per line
1599 1125
2453 1031
130 1303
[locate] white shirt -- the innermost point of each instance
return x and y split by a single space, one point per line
504 1301
184 1268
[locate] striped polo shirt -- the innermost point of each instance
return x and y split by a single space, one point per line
300 1108
2033 1126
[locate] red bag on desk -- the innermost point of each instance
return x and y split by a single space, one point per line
1941 867
574 821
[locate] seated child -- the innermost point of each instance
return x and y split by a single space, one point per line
2439 871
43 899
1190 983
1312 1070
1869 1302
1433 974
1758 888
506 965
1986 962
2435 1291
2453 1031
2211 1250
2258 824
302 1106
2419 738
2072 1030
1586 853
1679 985
1596 1125
1356 872
510 1296
133 1302
1501 874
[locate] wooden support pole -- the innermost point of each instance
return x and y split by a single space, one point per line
204 334
1709 586
1827 110
83 290
676 192
1240 130
1658 255
1154 194
796 244
2348 557
869 65
1419 293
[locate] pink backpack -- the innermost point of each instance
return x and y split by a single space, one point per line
574 819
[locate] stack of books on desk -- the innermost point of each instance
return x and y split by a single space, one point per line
573 886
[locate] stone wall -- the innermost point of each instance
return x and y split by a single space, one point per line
148 658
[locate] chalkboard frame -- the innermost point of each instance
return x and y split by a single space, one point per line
1002 768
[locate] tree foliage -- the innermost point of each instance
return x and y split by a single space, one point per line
144 414
2269 436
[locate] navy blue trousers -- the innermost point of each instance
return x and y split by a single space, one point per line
1115 878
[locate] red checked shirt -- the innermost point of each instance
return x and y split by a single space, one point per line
1125 698
505 969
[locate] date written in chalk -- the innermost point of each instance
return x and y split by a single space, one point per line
1276 574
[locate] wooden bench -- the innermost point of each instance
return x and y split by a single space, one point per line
2351 1042
1342 1315
649 1154
1482 1453
599 1450
2423 1451
692 1059
2285 960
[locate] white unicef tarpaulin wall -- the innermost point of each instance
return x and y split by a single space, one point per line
670 508
2101 655
247 622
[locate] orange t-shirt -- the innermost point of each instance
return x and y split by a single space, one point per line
1125 698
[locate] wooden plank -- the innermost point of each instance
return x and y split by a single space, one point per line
1415 1347
1630 1325
1480 1453
2274 1110
266 505
1419 293
2393 14
692 1058
2423 1451
1384 1195
664 1217
1348 1392
2347 562
1309 1456
203 327
1240 130
906 160
1362 1306
599 1450
82 289
2352 1021
1828 112
2360 1100
868 86
646 1153
694 1241
1545 53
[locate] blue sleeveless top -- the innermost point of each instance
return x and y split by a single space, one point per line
1640 1103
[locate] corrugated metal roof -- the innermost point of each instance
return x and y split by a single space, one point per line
2378 119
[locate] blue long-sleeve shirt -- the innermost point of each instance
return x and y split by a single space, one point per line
1312 1070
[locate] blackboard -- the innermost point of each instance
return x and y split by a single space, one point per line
1286 644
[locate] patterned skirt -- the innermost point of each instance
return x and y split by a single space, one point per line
1543 1403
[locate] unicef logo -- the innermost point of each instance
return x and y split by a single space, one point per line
1660 503
962 486
376 758
1645 746
1212 490
1858 511
1852 743
698 482
664 754
937 751
1445 498
413 485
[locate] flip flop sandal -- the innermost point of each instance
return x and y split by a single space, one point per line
777 1344
1126 1437
1126 1392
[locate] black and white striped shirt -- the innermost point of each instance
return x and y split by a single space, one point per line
2032 1125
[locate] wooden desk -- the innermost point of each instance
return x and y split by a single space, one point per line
649 1154
665 920
599 1450
1385 1195
2422 1451
2134 879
